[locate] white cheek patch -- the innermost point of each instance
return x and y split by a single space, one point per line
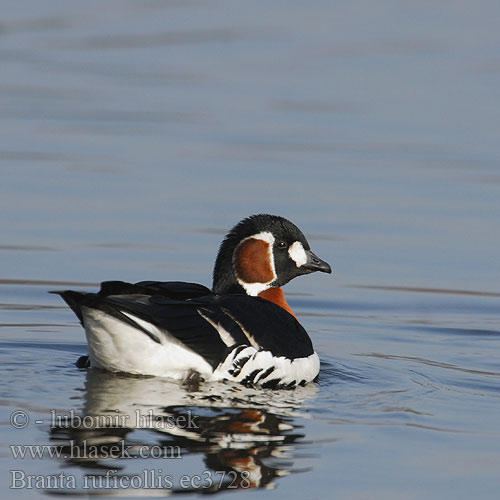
297 253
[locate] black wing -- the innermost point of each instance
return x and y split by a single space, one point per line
273 328
178 290
196 317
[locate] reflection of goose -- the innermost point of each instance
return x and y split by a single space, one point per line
234 427
243 330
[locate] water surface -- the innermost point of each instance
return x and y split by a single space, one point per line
134 134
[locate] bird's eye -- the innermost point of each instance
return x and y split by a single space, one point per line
281 244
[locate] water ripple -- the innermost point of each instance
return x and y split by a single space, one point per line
430 362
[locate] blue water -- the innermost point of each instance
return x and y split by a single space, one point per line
134 134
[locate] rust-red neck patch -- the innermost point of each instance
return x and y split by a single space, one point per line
252 261
277 296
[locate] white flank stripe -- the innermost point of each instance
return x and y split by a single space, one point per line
225 336
248 335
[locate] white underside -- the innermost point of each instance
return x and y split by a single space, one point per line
119 347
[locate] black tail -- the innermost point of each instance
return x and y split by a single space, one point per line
74 300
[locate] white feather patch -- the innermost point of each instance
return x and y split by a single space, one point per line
253 289
297 253
264 236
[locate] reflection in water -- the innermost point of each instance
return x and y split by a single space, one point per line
245 436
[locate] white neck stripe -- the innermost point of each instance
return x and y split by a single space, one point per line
254 289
